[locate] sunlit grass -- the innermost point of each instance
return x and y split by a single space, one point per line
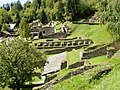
73 56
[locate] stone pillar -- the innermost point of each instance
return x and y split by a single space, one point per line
63 64
81 54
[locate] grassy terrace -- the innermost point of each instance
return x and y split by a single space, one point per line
87 82
73 56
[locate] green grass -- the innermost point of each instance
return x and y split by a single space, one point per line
81 82
117 55
97 33
111 81
73 56
106 82
99 60
62 73
74 83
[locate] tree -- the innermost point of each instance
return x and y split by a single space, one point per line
43 3
6 6
72 9
18 61
49 3
27 4
24 29
57 11
14 11
30 14
4 17
41 15
5 27
36 4
111 17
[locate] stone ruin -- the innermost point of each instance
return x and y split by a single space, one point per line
94 19
64 28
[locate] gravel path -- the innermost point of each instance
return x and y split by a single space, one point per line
54 63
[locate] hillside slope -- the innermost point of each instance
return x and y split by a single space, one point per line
97 33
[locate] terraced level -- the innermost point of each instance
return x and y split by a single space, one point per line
62 45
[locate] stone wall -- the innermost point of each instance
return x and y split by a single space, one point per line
77 64
97 52
57 35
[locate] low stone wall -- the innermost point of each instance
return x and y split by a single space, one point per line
49 78
61 39
77 64
57 35
97 52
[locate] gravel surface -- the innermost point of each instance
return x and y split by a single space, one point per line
54 63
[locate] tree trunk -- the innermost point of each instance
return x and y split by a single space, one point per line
18 85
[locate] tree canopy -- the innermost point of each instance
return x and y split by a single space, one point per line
54 10
18 61
24 29
110 15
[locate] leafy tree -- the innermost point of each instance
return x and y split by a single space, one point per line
27 4
43 3
19 5
48 11
57 11
36 4
14 12
5 27
6 6
49 3
4 17
30 14
24 29
72 9
111 17
18 62
41 15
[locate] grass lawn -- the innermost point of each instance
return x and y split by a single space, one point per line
99 60
73 56
97 33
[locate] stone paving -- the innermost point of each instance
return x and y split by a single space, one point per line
54 63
